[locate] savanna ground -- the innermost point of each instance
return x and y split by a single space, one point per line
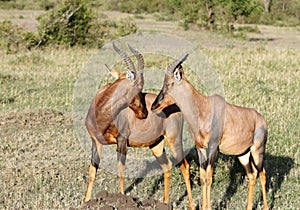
43 165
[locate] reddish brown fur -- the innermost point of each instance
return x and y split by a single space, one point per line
144 133
114 118
217 125
101 112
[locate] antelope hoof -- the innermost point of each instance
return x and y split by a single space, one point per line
192 206
84 201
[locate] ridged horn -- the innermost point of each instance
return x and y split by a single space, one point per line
176 63
139 57
126 58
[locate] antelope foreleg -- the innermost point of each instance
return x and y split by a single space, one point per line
204 188
177 151
185 169
122 151
209 174
206 182
167 177
166 165
121 169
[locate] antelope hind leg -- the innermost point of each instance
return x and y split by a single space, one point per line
251 174
92 175
257 152
209 175
262 178
95 161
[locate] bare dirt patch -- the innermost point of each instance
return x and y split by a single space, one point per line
24 18
33 118
109 201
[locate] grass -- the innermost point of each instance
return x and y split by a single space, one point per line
28 4
44 166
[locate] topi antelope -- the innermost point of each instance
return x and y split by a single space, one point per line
217 125
118 115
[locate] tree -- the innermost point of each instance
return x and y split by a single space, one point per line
267 5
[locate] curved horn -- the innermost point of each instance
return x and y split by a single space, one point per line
139 57
126 58
176 63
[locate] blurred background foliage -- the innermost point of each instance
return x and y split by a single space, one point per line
69 23
212 14
73 22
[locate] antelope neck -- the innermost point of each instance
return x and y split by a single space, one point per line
190 103
121 98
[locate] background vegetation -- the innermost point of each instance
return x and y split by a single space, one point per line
43 165
73 22
217 14
70 23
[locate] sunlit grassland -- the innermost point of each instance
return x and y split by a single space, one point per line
44 166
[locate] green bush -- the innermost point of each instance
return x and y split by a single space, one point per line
73 23
126 26
69 25
46 5
14 38
189 12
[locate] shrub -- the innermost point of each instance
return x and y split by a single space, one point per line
68 25
14 38
46 5
74 24
126 26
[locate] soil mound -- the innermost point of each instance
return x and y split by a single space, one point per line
110 201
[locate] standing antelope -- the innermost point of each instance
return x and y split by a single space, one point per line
217 125
111 121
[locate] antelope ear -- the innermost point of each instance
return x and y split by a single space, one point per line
130 75
178 75
114 73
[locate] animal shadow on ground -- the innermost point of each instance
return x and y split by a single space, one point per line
261 39
277 167
158 181
150 165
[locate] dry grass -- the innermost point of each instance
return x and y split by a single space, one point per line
44 166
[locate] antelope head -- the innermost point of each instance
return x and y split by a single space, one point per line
130 84
174 77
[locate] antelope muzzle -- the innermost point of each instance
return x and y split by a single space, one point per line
156 106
